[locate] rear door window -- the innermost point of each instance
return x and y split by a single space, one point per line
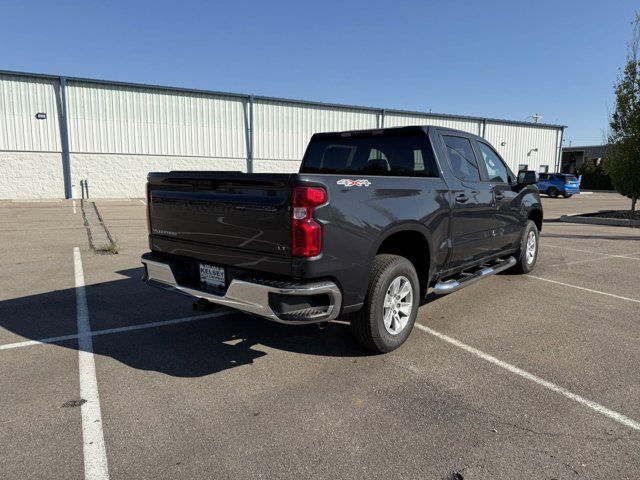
461 158
339 155
396 154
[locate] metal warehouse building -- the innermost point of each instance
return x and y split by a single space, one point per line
58 131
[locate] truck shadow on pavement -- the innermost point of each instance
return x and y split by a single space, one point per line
194 348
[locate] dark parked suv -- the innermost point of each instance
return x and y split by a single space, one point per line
371 222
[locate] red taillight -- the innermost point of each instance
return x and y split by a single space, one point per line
309 196
306 233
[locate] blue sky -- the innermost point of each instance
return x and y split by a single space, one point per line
506 59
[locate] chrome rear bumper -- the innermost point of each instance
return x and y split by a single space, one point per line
253 297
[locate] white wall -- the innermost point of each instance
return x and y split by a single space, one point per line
31 175
20 99
520 142
118 133
125 175
30 158
283 129
405 119
276 166
128 120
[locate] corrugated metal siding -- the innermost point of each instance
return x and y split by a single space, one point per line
111 123
392 119
20 99
520 140
119 119
282 130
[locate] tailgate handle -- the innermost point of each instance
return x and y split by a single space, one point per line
499 195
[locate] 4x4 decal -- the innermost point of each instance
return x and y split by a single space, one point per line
347 182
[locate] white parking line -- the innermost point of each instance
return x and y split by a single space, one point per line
74 206
106 331
591 251
619 297
95 455
143 202
618 417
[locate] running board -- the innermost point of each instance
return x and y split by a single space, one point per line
453 285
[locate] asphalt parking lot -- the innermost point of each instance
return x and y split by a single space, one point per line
516 377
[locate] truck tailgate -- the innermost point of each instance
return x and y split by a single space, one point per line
233 211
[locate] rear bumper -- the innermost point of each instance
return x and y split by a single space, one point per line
256 297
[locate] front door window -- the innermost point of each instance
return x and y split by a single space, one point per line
495 169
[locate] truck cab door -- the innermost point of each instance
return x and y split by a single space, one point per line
471 202
508 214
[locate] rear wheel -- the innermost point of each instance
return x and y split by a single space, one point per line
390 307
528 255
566 195
553 192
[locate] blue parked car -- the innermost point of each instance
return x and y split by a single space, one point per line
554 184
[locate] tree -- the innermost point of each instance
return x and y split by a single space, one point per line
622 162
594 176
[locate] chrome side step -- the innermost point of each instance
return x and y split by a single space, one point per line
453 285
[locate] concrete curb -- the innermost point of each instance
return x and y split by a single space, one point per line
619 222
600 191
34 200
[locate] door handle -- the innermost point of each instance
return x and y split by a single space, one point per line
462 198
499 195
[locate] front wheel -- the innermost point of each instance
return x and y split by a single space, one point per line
390 307
528 255
567 195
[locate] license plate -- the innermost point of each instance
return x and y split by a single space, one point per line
212 276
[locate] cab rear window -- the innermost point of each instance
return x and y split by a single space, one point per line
370 154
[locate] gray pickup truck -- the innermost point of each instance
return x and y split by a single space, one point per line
372 221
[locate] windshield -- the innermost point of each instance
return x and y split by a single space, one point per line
400 155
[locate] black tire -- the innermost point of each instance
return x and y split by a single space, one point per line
553 192
367 325
567 195
525 264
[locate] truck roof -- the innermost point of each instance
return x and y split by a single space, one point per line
388 131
